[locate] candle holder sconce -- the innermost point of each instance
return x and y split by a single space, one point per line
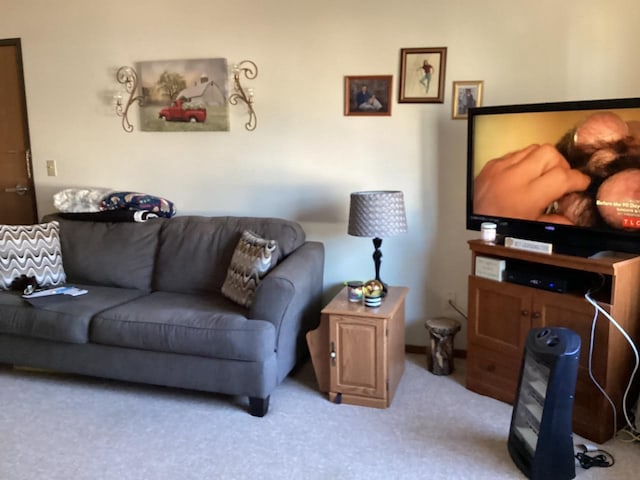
250 72
128 77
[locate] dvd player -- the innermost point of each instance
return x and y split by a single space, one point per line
554 283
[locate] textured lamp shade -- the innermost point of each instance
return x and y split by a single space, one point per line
377 214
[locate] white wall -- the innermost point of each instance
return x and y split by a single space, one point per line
306 157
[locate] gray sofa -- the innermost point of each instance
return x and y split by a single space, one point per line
155 313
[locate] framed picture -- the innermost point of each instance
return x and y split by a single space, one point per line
466 94
422 75
367 95
184 95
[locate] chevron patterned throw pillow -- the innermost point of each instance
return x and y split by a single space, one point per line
31 250
252 259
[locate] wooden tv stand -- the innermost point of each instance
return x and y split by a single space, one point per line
502 313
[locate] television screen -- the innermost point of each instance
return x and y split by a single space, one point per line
567 173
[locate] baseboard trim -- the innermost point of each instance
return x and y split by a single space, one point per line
422 349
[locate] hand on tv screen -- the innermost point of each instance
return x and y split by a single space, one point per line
606 148
522 184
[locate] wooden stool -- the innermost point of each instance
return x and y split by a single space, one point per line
442 331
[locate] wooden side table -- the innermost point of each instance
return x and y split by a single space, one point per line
358 352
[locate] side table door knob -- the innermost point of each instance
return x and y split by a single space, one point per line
333 354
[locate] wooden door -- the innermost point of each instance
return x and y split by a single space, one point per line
17 196
359 364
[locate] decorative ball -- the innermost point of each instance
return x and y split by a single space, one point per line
373 288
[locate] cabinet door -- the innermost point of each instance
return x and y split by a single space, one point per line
499 315
563 310
359 365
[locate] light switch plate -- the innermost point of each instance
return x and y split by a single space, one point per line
51 168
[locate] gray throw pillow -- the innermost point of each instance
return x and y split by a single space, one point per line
252 259
31 250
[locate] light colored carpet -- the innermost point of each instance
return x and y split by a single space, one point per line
75 428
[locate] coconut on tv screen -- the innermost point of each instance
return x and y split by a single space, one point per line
575 167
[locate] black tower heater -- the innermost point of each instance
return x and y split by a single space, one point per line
540 436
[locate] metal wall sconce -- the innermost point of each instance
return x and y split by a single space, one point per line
128 77
250 71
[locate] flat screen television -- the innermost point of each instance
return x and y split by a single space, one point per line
567 173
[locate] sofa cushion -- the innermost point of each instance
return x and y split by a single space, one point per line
252 259
66 320
109 254
31 250
208 326
195 252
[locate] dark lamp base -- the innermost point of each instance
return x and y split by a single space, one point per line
377 260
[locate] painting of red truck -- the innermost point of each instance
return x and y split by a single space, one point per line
183 112
184 95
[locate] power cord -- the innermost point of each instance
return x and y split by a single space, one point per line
455 307
604 459
599 309
631 434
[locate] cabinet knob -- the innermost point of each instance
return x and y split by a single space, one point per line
491 367
333 354
524 313
536 315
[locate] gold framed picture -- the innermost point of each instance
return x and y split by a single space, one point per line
466 94
367 95
422 75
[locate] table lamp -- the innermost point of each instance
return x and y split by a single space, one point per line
377 214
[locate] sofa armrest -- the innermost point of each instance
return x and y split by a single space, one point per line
290 297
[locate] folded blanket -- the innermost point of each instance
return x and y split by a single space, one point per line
80 199
111 216
91 200
138 201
